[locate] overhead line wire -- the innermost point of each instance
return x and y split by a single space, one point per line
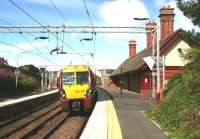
36 49
11 45
93 33
60 13
29 15
24 50
41 55
5 21
88 14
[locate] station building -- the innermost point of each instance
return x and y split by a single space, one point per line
135 74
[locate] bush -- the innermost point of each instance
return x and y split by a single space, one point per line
28 83
7 78
30 70
29 79
179 113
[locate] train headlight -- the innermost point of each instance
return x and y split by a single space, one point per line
62 93
89 92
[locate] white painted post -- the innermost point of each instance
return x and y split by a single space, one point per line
158 62
42 82
163 72
49 86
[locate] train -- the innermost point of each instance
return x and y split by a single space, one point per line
77 88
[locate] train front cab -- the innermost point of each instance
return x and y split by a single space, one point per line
77 90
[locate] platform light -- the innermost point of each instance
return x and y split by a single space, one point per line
42 38
157 54
86 39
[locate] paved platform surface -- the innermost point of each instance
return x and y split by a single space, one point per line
133 123
103 122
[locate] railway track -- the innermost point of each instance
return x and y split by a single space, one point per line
14 118
48 122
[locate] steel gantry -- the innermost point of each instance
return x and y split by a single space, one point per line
70 29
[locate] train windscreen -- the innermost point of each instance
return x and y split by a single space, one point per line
68 78
82 77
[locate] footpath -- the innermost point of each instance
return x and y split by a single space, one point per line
130 108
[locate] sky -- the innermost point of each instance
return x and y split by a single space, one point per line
110 49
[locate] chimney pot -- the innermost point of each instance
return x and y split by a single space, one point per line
166 21
132 48
151 29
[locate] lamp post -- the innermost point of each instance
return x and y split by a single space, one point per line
157 60
17 72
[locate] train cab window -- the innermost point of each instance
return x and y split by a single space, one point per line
82 77
68 78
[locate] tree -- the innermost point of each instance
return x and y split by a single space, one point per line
192 76
30 70
191 9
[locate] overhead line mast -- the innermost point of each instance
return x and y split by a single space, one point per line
63 32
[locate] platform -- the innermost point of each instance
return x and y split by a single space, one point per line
26 98
103 122
121 117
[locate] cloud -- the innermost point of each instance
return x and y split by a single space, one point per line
121 13
160 3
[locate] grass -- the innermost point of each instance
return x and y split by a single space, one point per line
179 113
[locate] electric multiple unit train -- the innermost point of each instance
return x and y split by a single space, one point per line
77 87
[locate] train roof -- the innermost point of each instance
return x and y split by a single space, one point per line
76 68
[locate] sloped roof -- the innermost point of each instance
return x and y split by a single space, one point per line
133 63
136 62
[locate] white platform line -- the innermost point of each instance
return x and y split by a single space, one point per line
10 102
167 134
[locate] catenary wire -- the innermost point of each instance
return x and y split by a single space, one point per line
21 34
90 19
29 15
64 18
93 33
88 14
6 22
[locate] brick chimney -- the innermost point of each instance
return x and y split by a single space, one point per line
151 33
166 21
132 48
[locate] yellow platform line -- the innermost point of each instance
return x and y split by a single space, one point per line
103 123
114 130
